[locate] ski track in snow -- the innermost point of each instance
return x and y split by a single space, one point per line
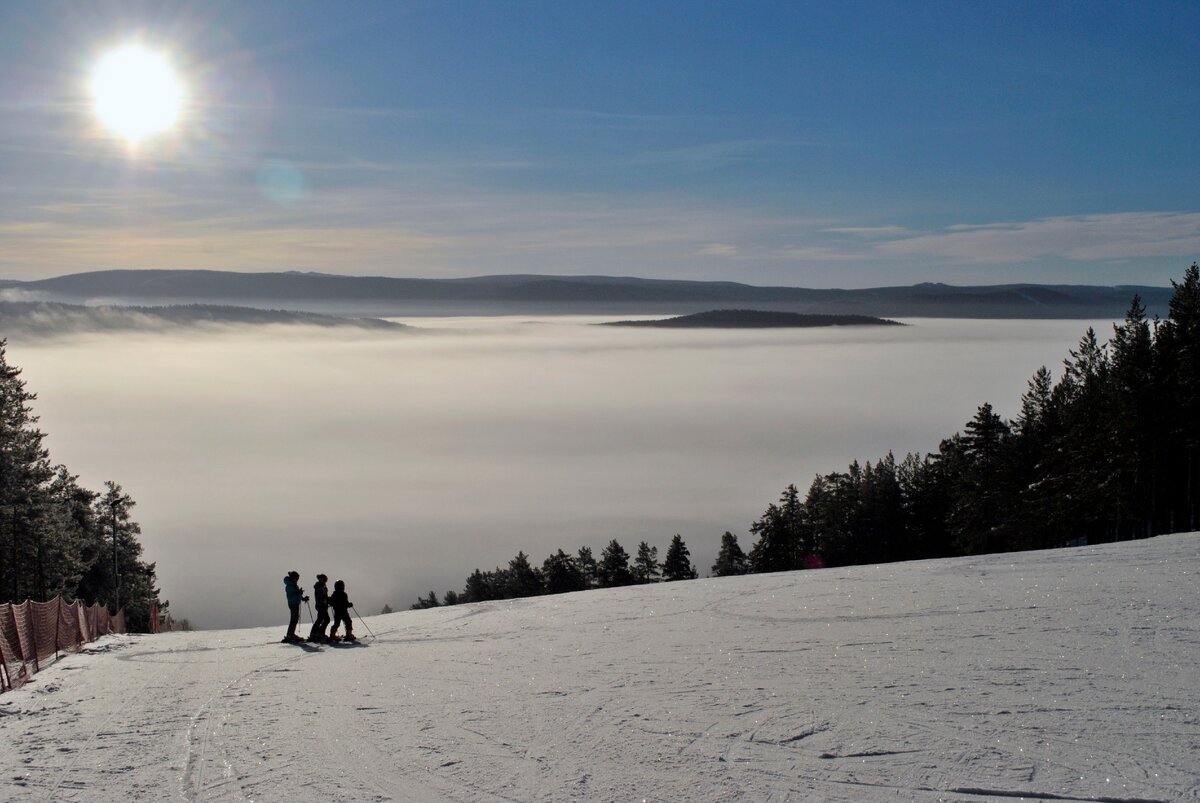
1060 675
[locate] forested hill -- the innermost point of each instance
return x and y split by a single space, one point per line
603 294
755 319
49 318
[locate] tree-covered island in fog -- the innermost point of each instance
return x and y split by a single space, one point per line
756 319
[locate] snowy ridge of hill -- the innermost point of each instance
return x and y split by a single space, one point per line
1064 674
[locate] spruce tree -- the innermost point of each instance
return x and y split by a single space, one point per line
424 603
678 564
1180 358
982 485
1134 422
588 567
63 535
730 558
613 568
522 579
561 574
24 469
479 588
782 538
645 565
121 578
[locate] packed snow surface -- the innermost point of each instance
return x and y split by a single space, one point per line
1058 675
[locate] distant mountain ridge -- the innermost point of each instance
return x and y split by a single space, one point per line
378 295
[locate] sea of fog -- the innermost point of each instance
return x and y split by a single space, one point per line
400 461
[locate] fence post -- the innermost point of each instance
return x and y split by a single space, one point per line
57 623
37 667
12 609
5 673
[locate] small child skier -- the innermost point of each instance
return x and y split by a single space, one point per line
341 605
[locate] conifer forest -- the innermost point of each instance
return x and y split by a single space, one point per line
57 537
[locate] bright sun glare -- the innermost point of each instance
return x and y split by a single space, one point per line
136 92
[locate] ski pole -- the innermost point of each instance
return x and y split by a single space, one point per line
310 616
364 624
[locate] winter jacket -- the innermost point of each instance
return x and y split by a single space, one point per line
295 594
340 601
321 594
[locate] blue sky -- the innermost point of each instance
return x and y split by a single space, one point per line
833 144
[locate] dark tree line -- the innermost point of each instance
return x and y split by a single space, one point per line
1109 451
56 537
561 573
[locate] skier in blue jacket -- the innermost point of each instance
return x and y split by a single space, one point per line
295 595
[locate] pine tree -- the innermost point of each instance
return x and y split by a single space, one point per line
980 491
1180 358
117 576
645 565
613 568
1081 478
1035 405
678 564
925 503
1134 422
830 510
479 588
730 559
63 535
561 574
24 470
783 538
386 609
523 579
451 597
588 567
424 603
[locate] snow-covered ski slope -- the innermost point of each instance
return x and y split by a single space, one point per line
1060 675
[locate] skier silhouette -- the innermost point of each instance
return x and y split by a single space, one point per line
321 601
295 595
341 605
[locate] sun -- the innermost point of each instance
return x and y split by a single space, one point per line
136 92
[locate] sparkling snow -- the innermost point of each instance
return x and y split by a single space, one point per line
1058 675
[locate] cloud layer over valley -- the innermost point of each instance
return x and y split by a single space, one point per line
401 461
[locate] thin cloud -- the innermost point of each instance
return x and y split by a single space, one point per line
870 231
1125 235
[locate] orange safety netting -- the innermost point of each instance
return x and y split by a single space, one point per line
33 635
